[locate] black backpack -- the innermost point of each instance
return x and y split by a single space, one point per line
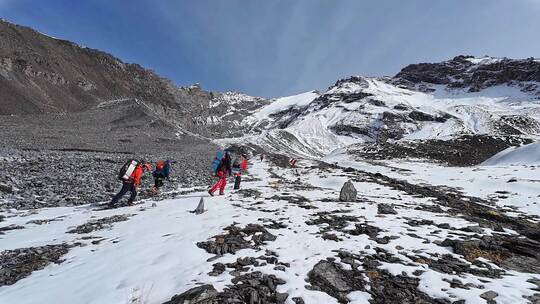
127 169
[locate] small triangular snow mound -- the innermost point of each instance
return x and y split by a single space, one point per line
200 207
524 155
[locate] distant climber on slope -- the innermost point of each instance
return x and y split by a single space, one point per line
222 169
130 175
162 172
239 166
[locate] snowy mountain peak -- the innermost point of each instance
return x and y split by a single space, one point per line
369 110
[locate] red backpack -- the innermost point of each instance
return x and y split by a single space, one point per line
160 165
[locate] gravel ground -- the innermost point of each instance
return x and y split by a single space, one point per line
36 179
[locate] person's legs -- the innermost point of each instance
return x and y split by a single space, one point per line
237 180
218 183
118 196
223 184
133 195
158 182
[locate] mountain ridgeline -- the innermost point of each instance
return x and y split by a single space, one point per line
483 103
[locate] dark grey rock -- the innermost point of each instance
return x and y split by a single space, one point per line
348 192
99 224
19 263
385 209
205 294
489 295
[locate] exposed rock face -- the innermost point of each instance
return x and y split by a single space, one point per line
255 287
40 74
514 253
235 239
466 150
331 278
386 209
474 74
348 192
10 227
205 294
99 224
19 263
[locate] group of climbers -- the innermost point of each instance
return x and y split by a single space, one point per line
223 167
131 174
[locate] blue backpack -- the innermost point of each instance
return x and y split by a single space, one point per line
219 156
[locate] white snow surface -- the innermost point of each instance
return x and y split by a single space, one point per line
488 182
154 255
285 103
525 155
483 60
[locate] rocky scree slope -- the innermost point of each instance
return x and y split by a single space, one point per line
40 74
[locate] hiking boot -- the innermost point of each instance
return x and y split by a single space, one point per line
221 193
211 193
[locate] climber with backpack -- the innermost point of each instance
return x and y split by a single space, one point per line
222 169
162 172
130 175
239 166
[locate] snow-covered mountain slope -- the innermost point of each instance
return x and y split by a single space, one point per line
396 243
524 155
374 110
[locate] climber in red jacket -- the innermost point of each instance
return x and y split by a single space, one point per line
132 184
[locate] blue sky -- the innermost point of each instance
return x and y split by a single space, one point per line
276 48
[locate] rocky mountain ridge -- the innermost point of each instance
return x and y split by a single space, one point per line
473 74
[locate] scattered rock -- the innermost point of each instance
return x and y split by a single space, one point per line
6 188
509 252
218 269
235 239
348 192
489 295
10 227
331 221
385 209
331 278
19 263
205 294
330 237
102 223
252 287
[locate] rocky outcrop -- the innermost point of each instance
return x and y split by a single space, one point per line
254 287
235 239
99 224
513 253
466 150
19 263
473 74
385 209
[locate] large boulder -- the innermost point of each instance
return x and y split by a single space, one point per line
348 192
